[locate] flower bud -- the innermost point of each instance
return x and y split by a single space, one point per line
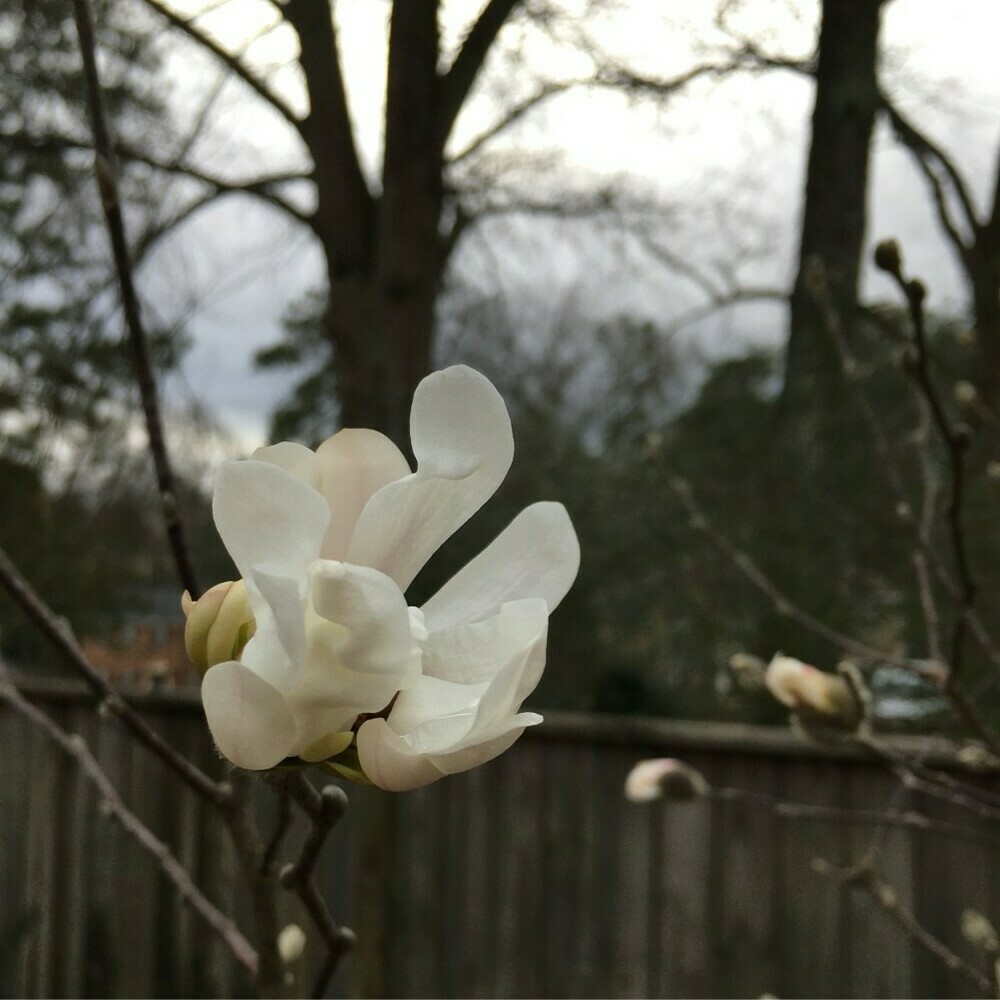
964 392
664 778
812 694
888 257
291 943
219 624
977 930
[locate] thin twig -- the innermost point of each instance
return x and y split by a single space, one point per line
883 819
749 568
111 802
105 171
111 701
865 879
324 809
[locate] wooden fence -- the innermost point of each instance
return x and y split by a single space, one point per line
528 877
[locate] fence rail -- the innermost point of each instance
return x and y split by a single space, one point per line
530 876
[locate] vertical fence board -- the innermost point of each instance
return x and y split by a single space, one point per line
531 876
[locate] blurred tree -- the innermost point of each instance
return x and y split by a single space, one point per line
62 369
386 240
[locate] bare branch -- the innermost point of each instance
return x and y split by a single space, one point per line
512 116
931 158
457 82
112 804
234 64
324 810
35 608
105 170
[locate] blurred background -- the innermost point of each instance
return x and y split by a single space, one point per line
618 207
652 225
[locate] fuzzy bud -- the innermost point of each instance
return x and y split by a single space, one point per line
814 695
978 931
291 943
888 257
219 624
965 393
664 778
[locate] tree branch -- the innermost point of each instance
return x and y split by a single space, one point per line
233 63
111 802
457 82
59 635
927 155
105 170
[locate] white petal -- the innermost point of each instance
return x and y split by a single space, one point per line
434 715
249 719
389 762
537 555
462 440
352 466
479 753
278 609
474 653
294 458
265 515
511 686
373 611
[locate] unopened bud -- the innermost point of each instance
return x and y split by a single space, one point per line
976 757
219 624
993 469
965 393
664 778
888 257
916 290
749 670
812 694
904 511
291 943
977 930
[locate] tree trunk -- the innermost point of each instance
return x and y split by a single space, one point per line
833 221
408 262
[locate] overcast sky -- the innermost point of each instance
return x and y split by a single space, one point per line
726 159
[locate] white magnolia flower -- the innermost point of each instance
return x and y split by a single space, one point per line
811 693
328 541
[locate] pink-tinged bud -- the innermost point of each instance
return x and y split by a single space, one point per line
812 694
219 624
664 778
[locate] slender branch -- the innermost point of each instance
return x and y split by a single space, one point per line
749 568
457 82
324 809
233 63
111 802
511 117
926 153
893 818
105 170
260 187
864 879
39 612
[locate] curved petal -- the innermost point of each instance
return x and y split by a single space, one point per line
434 715
479 753
470 654
277 650
249 719
265 515
294 458
463 443
511 686
536 555
372 611
389 761
353 465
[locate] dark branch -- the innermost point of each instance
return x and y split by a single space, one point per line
457 82
234 64
111 801
105 170
50 626
930 156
